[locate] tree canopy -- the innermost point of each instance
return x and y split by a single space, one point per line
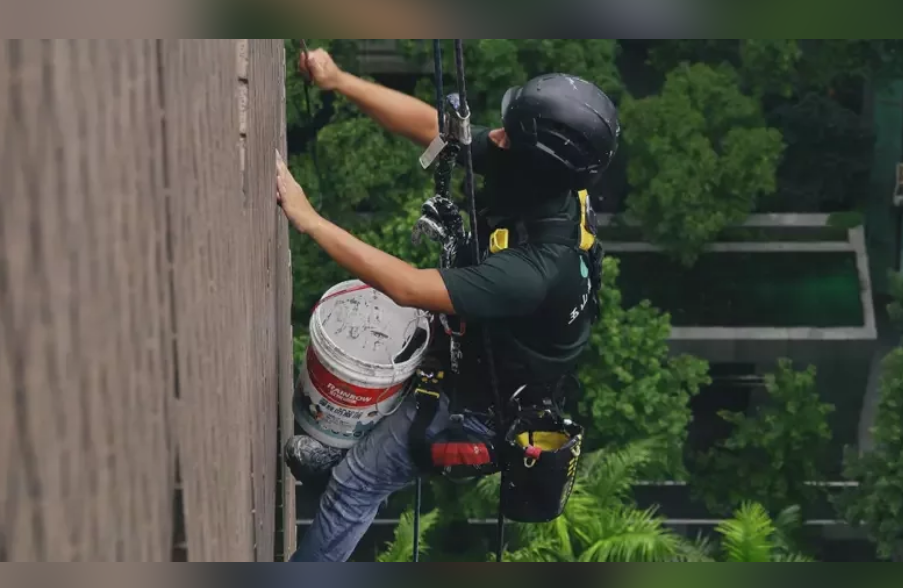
700 157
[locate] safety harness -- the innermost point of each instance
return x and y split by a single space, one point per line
536 447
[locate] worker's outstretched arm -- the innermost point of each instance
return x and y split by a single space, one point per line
396 112
403 283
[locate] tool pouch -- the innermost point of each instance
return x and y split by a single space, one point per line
539 455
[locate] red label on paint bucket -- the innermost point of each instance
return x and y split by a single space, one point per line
340 392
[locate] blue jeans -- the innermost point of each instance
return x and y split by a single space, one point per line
376 467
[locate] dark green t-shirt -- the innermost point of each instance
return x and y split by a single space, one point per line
534 298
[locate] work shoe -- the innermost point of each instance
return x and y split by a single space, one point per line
309 460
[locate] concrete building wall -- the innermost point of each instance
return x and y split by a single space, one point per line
145 288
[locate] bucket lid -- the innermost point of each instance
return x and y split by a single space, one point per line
365 325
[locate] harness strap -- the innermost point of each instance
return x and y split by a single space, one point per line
558 230
455 451
427 394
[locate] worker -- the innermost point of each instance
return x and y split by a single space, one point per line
538 299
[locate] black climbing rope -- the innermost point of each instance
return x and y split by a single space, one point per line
487 338
310 117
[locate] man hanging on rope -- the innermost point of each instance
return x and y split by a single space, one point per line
534 289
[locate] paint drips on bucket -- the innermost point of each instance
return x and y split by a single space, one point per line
349 380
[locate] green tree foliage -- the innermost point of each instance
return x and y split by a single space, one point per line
632 389
828 155
877 503
794 64
772 453
666 55
767 66
700 157
829 61
810 91
602 523
494 65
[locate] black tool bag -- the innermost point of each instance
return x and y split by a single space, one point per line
539 454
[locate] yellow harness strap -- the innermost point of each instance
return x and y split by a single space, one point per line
499 239
586 238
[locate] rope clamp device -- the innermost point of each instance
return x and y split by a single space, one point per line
457 121
457 131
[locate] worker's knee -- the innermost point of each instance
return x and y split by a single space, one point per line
380 463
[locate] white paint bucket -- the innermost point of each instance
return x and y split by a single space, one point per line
349 380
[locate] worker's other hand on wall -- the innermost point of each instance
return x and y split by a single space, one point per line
291 197
318 67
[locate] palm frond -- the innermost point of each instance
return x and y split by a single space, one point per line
632 546
700 550
534 553
481 499
610 475
748 537
792 558
401 549
625 534
787 521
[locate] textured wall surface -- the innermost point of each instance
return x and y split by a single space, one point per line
145 335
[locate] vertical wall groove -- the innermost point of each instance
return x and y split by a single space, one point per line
179 550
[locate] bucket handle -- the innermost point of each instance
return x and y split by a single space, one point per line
416 320
340 293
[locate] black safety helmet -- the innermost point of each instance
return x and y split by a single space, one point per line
567 118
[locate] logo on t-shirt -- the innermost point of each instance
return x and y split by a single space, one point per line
584 273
